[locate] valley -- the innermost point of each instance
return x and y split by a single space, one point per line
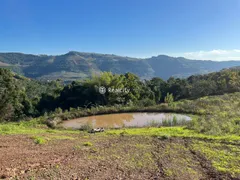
78 65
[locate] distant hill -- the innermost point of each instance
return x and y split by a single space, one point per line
235 68
78 65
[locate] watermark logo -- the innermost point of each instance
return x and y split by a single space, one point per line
102 90
118 90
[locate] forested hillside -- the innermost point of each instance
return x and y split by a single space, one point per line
77 65
21 97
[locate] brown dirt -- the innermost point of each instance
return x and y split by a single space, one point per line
110 157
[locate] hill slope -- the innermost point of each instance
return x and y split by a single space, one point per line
75 65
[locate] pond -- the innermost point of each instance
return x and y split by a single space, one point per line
128 120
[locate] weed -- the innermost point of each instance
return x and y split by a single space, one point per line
163 137
87 144
39 140
225 158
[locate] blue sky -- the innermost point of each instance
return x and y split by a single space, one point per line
198 29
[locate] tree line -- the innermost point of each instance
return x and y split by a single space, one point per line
22 98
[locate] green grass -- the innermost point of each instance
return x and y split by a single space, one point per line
172 132
14 128
40 140
34 127
222 150
87 144
224 157
30 127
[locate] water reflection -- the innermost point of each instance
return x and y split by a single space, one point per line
111 120
124 120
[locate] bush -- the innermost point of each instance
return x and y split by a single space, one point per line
146 102
39 140
86 127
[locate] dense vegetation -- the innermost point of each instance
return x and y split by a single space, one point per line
23 98
76 65
19 96
141 93
219 114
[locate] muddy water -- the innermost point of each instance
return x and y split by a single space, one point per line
126 120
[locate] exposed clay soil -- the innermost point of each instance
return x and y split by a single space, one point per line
109 157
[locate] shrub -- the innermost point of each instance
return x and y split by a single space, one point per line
39 140
86 127
146 102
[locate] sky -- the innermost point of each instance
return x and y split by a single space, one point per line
195 29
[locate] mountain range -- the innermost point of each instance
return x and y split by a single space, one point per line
78 65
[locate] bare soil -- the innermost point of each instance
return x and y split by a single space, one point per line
102 157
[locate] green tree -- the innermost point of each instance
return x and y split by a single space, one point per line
159 87
10 101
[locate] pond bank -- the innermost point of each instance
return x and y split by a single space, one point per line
56 118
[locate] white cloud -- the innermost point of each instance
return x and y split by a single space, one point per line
216 54
236 50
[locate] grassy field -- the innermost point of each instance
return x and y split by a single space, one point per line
31 150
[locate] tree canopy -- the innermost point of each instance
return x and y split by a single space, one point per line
21 97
